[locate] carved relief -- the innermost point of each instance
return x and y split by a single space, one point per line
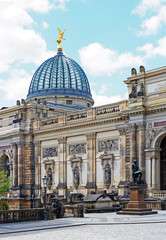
50 152
150 135
77 149
109 145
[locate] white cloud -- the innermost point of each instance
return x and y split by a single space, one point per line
16 86
151 50
102 99
153 23
45 25
103 89
145 5
100 61
61 4
19 43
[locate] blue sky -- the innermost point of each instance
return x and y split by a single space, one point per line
106 37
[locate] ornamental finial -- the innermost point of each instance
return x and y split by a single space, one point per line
59 40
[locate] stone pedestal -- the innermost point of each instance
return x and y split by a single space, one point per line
137 205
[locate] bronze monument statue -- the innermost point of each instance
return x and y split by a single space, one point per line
137 173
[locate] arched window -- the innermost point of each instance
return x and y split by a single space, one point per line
5 164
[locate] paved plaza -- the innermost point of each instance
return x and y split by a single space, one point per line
92 226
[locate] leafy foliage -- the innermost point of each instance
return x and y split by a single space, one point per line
5 183
4 205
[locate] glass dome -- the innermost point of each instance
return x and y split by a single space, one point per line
59 75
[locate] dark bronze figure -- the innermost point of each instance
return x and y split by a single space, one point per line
137 173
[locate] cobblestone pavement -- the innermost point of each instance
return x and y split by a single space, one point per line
105 232
101 226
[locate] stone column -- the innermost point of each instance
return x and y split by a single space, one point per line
153 171
20 163
141 153
62 186
15 165
91 161
37 168
122 132
133 146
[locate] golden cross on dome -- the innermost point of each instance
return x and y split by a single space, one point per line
59 40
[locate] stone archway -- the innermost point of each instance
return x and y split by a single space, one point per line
163 164
155 175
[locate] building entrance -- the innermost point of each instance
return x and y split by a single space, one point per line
163 165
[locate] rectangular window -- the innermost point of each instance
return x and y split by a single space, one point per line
69 102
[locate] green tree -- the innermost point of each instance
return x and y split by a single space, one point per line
5 183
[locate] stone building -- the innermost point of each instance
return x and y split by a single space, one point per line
56 132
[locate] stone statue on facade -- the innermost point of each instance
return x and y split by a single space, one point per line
133 71
133 93
142 90
49 175
76 176
107 174
137 173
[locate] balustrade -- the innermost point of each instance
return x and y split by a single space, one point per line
107 110
7 216
77 116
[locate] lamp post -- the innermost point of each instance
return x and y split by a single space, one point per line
45 179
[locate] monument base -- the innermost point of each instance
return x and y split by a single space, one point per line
137 205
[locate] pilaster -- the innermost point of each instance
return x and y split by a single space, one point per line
37 168
141 155
133 145
15 164
122 132
62 157
91 161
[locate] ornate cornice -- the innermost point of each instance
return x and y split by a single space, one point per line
90 124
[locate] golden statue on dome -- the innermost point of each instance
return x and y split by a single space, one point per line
59 40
